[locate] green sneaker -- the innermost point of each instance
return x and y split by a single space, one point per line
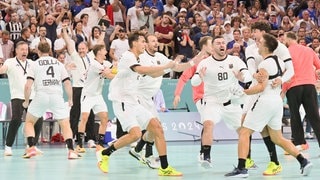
103 164
250 164
169 171
272 169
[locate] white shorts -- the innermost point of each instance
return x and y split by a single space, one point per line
42 102
215 112
267 110
148 104
249 101
131 115
199 106
96 103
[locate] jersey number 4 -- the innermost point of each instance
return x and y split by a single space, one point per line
50 71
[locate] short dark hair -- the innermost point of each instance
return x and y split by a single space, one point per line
216 37
262 26
83 15
134 37
97 48
271 42
24 30
44 47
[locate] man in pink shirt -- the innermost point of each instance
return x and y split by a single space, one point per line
301 89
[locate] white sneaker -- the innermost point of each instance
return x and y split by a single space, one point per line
206 164
309 136
200 157
152 162
7 151
91 144
73 155
136 155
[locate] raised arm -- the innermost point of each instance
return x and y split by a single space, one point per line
69 43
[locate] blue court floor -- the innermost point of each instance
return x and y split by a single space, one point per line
53 164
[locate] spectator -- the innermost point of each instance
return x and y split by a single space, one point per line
25 13
156 4
305 19
119 45
286 24
94 13
33 31
146 17
236 39
77 7
14 27
246 34
7 47
132 22
85 27
201 8
118 13
204 32
186 44
158 100
169 6
164 33
42 37
302 34
228 35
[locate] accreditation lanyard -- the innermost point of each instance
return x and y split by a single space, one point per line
23 68
84 64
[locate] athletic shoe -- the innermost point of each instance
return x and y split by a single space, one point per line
238 173
80 149
306 168
91 144
39 152
206 163
103 165
152 162
250 164
7 151
300 147
169 171
135 154
30 152
99 149
200 157
303 147
272 169
309 136
73 155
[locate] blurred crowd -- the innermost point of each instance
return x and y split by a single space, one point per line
178 24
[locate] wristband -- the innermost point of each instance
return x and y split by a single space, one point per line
191 63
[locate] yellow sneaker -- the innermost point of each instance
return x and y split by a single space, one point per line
103 165
169 171
250 164
80 149
272 169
